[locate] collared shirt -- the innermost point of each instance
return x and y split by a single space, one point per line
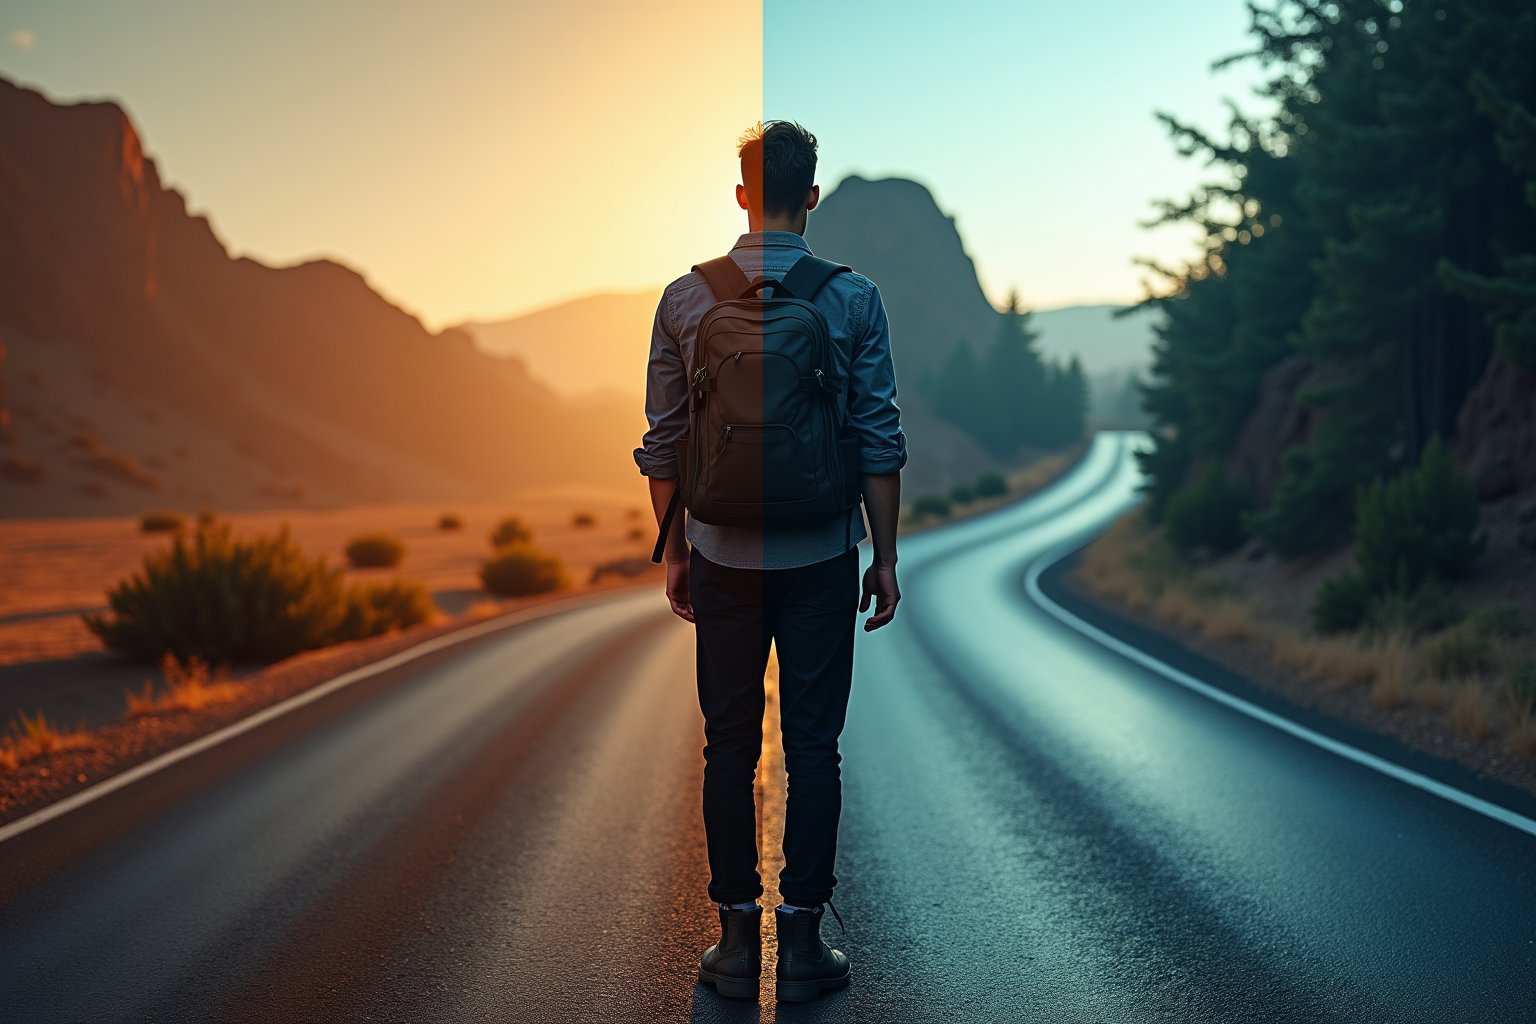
861 357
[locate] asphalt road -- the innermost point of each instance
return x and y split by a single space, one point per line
1036 827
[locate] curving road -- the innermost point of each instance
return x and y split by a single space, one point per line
1037 827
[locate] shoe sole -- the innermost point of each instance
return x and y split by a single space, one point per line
805 991
730 988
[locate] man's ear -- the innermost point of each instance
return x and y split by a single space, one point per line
741 197
814 198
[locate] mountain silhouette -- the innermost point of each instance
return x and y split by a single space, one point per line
141 358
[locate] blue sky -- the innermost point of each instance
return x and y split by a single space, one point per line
1032 123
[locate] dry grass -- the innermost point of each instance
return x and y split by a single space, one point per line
1393 683
1131 563
33 736
1472 710
1229 618
1334 661
187 688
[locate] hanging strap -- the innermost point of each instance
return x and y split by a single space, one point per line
807 276
724 278
666 522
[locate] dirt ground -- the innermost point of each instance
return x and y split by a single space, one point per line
51 570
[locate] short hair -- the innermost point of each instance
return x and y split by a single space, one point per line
778 164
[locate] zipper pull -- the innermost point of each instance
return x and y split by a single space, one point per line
725 435
736 358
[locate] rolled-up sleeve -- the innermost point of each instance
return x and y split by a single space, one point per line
666 400
872 411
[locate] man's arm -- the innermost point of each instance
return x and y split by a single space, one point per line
875 418
882 504
666 410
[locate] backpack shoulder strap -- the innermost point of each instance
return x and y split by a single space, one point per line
724 277
807 276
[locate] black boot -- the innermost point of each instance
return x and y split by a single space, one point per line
807 965
734 964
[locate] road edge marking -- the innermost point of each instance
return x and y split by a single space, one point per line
143 769
1391 769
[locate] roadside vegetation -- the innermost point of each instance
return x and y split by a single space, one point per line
1417 647
33 736
520 569
259 598
375 551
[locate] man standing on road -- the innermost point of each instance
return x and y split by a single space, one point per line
795 585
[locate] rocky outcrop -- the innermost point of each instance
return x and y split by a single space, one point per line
305 365
1496 431
1279 420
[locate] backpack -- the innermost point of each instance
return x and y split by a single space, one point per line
763 447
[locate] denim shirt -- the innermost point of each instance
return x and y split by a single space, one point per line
861 356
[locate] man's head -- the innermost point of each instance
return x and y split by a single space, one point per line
778 175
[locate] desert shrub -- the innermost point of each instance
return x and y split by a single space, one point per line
962 494
1458 652
1500 622
1426 607
510 530
1341 603
633 512
991 485
162 520
378 606
635 533
1520 684
627 567
375 551
930 505
1418 525
222 598
517 570
207 516
450 521
1207 513
583 520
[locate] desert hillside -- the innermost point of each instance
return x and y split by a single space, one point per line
143 365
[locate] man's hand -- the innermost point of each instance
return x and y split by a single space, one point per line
677 590
880 584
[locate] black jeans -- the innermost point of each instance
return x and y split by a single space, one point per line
808 613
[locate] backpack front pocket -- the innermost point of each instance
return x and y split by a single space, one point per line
761 464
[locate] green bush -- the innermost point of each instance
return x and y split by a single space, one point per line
162 520
516 570
1458 652
1418 525
930 505
379 606
583 520
1207 513
450 521
1426 607
991 485
1341 603
224 598
510 530
375 551
1500 622
962 494
1521 686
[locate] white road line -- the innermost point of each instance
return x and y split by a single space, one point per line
146 768
1388 768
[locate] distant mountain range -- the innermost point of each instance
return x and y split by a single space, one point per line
145 366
